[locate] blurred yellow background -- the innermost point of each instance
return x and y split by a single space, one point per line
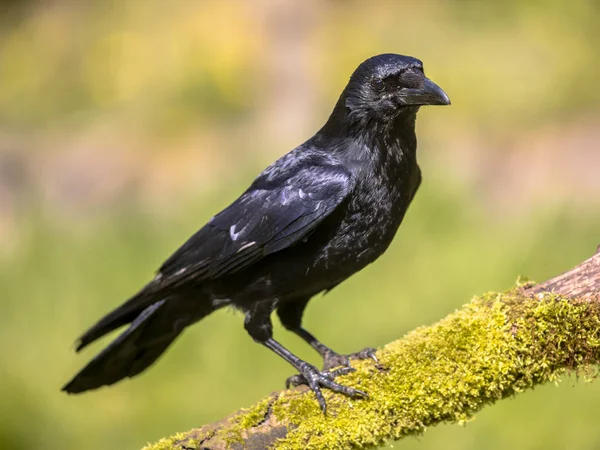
125 125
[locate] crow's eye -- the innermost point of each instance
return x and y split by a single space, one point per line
378 84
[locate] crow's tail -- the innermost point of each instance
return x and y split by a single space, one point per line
124 314
148 336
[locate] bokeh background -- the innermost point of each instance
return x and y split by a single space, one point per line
125 125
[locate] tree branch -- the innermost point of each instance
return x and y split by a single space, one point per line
496 346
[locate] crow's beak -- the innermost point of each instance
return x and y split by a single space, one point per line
429 94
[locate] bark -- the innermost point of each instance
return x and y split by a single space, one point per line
496 346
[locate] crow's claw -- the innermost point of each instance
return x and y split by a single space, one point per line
315 379
366 353
333 359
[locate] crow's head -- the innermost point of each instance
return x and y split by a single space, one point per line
386 85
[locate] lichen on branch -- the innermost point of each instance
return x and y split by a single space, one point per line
496 346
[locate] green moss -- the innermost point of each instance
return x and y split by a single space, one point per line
174 442
496 346
253 416
247 419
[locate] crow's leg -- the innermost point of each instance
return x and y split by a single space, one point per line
290 315
331 358
258 324
312 376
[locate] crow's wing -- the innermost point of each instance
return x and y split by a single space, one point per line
265 219
276 212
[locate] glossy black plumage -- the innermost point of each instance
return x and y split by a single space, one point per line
310 220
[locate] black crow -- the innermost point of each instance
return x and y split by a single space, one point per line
310 220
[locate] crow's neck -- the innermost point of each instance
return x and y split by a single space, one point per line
398 134
394 138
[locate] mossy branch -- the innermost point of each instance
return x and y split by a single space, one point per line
496 346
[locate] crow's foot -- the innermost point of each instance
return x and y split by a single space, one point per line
333 359
315 379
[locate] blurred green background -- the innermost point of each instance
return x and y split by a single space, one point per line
125 125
